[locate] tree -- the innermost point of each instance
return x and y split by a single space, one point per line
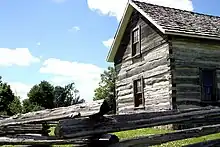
30 107
42 95
106 89
106 85
6 97
67 96
60 96
15 106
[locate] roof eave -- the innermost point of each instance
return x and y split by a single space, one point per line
185 34
120 31
122 26
146 16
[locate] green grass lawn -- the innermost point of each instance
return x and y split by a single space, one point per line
151 131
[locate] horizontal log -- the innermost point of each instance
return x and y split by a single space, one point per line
186 80
157 79
39 140
188 88
21 129
196 103
84 127
186 71
197 44
210 143
167 137
52 114
191 94
197 63
150 69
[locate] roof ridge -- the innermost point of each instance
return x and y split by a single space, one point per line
199 13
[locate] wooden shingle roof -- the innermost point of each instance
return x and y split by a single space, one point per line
182 21
169 21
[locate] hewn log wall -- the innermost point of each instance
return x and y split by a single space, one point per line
190 55
153 65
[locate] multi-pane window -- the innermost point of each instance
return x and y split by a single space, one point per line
136 42
138 92
208 79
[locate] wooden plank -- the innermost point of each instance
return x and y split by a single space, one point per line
38 140
52 114
85 127
167 137
210 143
21 129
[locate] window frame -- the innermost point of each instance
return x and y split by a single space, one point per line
135 52
137 93
214 91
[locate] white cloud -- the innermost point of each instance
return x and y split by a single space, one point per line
20 89
38 43
108 42
17 56
85 76
74 29
116 7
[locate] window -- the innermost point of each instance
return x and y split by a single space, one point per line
136 48
138 93
208 83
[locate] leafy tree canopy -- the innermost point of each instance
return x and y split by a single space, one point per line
106 89
15 106
106 85
6 97
30 107
67 96
42 94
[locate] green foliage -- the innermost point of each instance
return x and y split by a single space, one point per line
45 95
106 89
106 85
42 94
15 106
60 96
67 96
6 97
30 107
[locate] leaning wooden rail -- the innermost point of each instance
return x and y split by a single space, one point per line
167 137
21 129
84 109
83 130
72 128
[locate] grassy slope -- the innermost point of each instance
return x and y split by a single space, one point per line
150 131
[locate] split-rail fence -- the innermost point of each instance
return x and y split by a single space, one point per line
74 126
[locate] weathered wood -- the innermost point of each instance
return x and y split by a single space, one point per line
167 137
39 140
210 143
103 140
21 129
85 127
152 63
52 114
186 71
186 80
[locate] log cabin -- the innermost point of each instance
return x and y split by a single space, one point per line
165 59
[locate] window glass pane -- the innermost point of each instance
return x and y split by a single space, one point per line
208 85
135 36
138 89
134 50
139 83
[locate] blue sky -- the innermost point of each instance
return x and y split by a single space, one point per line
64 41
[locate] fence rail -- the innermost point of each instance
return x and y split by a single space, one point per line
76 127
